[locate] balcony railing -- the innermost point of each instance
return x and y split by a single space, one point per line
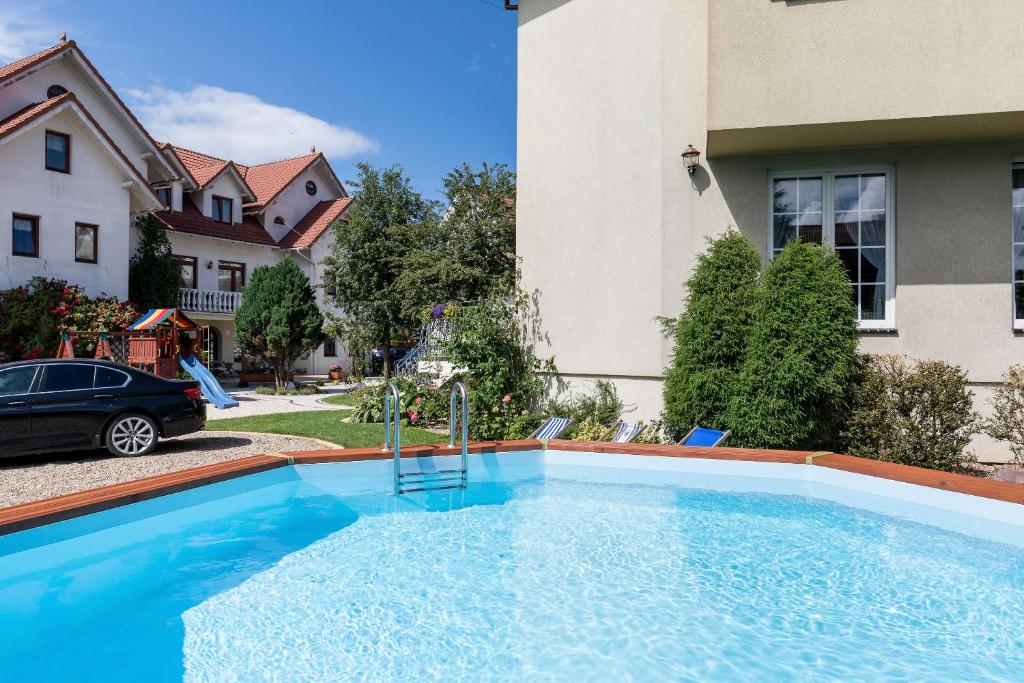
209 301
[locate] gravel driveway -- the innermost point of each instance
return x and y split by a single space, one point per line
44 476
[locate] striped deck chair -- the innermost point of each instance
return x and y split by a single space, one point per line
702 436
551 428
626 432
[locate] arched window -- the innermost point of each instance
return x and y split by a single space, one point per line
55 91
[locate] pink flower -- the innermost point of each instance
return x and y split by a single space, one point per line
506 399
419 400
414 416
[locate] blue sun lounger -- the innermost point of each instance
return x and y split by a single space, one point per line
702 436
551 428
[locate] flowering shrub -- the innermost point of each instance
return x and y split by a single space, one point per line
495 347
32 317
336 367
422 404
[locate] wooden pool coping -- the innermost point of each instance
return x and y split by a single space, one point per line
42 512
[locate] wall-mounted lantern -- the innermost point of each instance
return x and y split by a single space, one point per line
209 265
691 157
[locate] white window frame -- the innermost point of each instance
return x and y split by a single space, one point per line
1018 323
827 175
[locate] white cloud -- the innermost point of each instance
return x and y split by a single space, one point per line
22 33
239 126
474 64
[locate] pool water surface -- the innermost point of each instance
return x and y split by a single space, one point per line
564 572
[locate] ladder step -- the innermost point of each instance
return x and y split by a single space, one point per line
429 474
430 488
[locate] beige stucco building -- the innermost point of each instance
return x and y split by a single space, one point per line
889 130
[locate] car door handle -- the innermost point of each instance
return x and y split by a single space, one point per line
17 403
103 396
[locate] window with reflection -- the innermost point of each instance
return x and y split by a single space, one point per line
58 152
849 212
230 276
1018 245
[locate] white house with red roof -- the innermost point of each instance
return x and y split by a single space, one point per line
77 167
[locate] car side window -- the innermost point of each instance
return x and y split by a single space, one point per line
67 377
108 378
14 381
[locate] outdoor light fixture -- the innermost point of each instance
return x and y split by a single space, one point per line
691 157
209 265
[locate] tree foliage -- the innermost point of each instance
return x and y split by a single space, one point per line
278 319
371 248
1007 421
472 249
153 280
801 355
494 350
914 414
711 335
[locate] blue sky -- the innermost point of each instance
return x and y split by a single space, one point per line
425 83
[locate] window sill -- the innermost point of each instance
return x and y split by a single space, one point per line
878 331
25 255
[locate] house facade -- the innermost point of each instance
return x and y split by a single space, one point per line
77 168
892 132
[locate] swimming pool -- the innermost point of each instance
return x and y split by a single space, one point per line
551 566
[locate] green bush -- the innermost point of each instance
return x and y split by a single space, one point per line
494 349
920 414
422 405
590 429
801 354
1007 421
711 335
601 407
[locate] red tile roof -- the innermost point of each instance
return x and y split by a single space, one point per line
315 223
24 63
267 180
15 68
203 167
191 220
33 111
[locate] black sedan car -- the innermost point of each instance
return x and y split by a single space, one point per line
64 405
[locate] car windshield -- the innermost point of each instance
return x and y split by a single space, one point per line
16 380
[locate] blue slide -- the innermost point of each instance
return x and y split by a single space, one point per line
212 389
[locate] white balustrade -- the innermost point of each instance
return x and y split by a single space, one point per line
209 301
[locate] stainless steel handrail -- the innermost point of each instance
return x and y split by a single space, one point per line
460 388
393 396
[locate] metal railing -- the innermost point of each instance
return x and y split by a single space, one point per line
408 482
209 301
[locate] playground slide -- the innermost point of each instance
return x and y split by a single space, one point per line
212 389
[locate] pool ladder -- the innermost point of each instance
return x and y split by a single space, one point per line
408 482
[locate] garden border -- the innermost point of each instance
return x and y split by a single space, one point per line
42 512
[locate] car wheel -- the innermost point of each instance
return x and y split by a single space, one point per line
131 434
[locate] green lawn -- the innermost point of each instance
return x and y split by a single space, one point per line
338 400
322 424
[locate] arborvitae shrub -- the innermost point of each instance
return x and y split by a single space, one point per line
913 414
711 335
801 354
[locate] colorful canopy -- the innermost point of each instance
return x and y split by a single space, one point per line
156 316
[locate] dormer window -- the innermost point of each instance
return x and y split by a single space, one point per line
220 209
55 91
164 194
58 152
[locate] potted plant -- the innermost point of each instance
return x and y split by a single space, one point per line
336 371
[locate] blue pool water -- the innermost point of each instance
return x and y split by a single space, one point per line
564 573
